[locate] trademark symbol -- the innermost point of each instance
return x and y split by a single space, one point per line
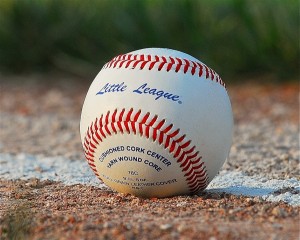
179 102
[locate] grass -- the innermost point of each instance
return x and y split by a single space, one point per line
234 37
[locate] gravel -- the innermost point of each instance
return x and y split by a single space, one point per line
43 119
265 149
43 173
48 210
60 169
258 148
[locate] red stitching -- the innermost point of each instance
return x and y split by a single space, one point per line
130 121
132 61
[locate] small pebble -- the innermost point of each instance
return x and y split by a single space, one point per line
165 226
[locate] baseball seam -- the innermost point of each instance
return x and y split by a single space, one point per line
150 62
134 122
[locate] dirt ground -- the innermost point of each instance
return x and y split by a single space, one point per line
48 210
35 209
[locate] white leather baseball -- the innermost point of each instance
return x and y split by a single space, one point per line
156 123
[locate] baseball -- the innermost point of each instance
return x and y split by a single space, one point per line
156 123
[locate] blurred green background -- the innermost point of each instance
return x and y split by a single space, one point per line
237 38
